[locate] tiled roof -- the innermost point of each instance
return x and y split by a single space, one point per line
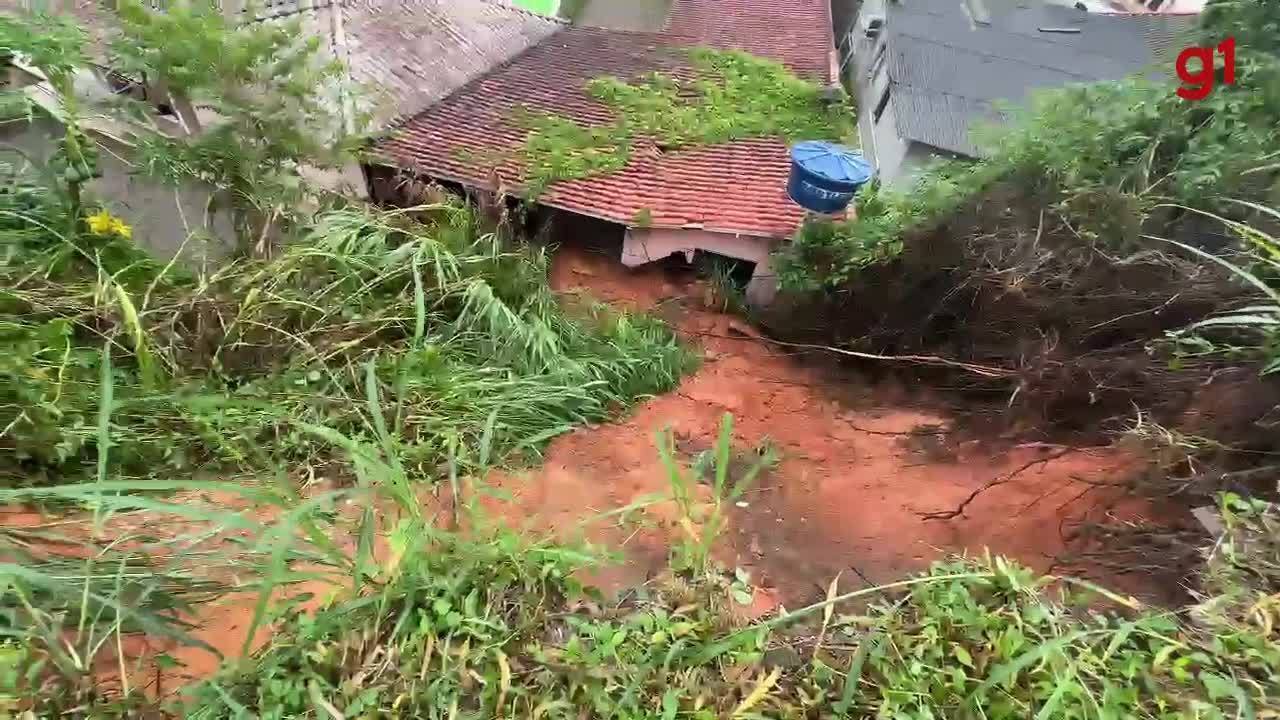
404 54
473 136
410 53
738 187
797 32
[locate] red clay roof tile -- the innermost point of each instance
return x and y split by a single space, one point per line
796 32
473 136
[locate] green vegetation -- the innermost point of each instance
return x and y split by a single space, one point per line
487 630
1251 331
377 353
732 95
465 334
1107 221
544 7
209 368
492 626
1106 158
280 104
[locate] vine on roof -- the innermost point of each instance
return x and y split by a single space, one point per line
732 95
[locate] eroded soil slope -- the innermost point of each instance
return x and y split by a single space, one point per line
856 483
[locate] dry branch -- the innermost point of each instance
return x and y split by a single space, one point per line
1001 480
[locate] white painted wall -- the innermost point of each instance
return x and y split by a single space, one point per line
891 148
646 245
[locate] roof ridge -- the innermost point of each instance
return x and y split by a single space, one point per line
398 122
521 11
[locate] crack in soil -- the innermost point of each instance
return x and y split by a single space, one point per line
870 492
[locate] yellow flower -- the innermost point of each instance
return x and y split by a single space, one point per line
100 223
104 223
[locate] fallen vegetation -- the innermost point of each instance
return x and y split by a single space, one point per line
1112 257
391 350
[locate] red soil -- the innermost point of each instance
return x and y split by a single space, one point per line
853 486
847 498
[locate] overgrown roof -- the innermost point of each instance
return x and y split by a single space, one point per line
474 136
950 64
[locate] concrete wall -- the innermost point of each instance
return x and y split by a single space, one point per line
641 245
163 216
891 149
843 13
867 77
917 158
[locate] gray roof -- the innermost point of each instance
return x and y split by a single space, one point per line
408 54
404 54
948 72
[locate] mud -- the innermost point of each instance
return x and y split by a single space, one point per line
856 482
860 470
220 628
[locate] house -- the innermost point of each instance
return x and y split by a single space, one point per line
728 199
403 55
1171 7
927 73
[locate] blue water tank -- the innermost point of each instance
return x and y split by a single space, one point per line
825 176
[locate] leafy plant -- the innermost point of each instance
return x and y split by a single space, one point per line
1103 157
733 95
1249 330
271 104
456 328
723 292
702 522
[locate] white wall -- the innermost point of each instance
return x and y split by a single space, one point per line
646 245
891 148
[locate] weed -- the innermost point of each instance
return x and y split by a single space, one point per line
733 95
724 293
456 329
1247 330
701 522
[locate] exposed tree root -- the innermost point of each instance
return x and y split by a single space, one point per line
985 371
1001 480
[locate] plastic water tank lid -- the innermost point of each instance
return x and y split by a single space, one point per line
834 162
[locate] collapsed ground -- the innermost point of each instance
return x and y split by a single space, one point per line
865 479
861 469
299 456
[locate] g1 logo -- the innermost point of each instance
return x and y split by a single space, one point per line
1197 84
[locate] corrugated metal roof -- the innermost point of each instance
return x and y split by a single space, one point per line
951 62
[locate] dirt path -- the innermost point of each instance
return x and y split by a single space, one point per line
854 485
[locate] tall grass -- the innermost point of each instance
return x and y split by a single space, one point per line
72 589
491 625
1253 328
457 328
703 521
388 348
